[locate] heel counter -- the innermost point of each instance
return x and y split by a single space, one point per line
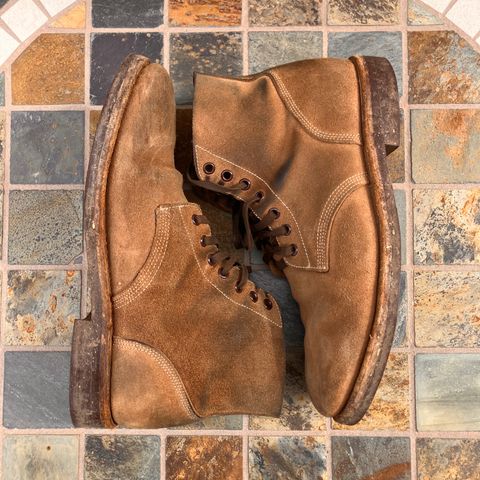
146 389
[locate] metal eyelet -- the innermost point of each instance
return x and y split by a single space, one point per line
195 220
276 212
245 183
260 195
203 238
210 261
268 303
209 168
293 250
227 175
253 296
288 229
238 289
222 274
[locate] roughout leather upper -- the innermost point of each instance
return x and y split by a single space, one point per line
295 133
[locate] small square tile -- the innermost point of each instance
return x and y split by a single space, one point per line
73 18
204 457
445 146
281 13
122 457
447 392
400 201
396 160
27 457
443 68
357 458
7 45
2 89
298 412
445 458
24 18
369 12
390 409
466 14
400 338
222 13
418 14
36 390
108 52
50 71
127 13
380 44
446 224
301 458
447 312
56 6
269 49
45 227
47 147
41 307
213 53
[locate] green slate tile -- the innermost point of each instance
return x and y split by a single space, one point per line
367 12
35 457
127 13
269 49
447 392
276 13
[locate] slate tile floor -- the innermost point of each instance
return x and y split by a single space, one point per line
423 423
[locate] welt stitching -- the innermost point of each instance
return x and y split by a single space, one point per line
166 365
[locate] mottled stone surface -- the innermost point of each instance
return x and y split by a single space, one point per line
122 457
204 457
418 14
390 409
369 12
72 18
442 458
36 390
45 227
396 160
226 422
205 12
268 49
287 458
365 458
127 13
2 89
443 68
277 13
400 338
214 53
108 52
379 44
47 147
447 226
2 144
36 457
50 71
448 392
447 310
298 412
445 146
41 307
400 202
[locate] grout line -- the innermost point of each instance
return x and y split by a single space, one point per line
449 7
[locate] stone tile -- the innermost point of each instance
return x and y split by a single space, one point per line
443 68
50 71
279 288
214 53
24 18
205 13
41 307
400 338
447 313
445 146
444 458
277 13
56 6
72 18
2 89
465 14
418 14
45 227
108 52
7 45
396 160
204 457
3 120
370 12
225 422
446 227
447 392
400 201
36 390
298 412
32 457
127 13
47 147
390 409
122 457
356 458
268 49
287 458
380 44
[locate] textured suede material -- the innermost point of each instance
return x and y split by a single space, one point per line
294 132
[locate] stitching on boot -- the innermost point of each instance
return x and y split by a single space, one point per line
216 288
154 261
298 114
166 365
333 203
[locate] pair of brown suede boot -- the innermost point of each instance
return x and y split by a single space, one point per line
177 330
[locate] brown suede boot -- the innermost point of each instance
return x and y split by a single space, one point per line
176 331
303 147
